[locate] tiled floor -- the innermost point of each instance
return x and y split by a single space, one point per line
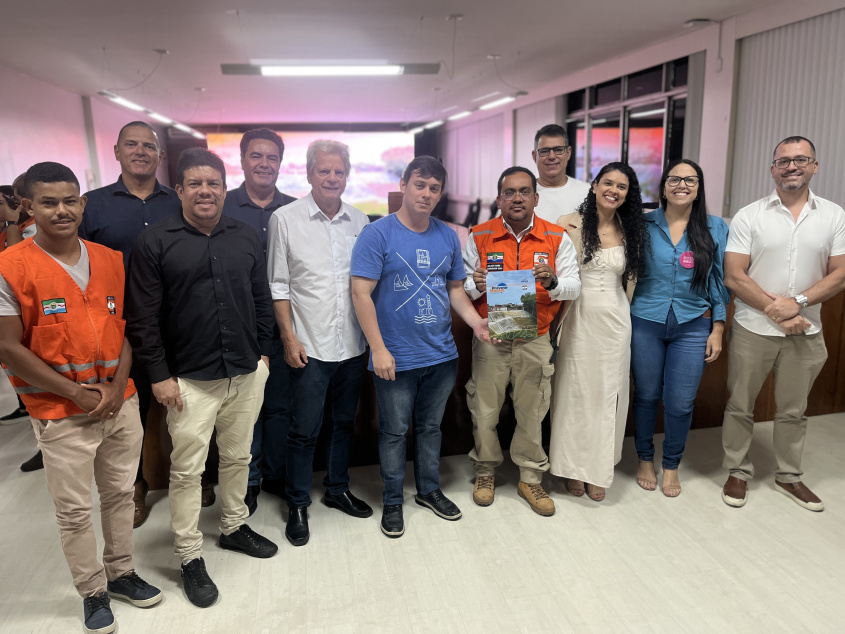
637 562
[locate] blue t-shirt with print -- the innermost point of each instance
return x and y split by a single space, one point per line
411 301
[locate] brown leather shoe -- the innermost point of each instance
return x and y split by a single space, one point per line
208 496
484 490
142 511
800 494
734 491
537 498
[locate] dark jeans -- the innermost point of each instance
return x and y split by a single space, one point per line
419 395
270 434
139 376
667 361
310 385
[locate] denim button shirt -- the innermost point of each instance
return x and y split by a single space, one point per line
666 283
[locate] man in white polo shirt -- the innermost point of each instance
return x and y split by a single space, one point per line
559 194
785 256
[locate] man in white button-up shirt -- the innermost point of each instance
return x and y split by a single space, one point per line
785 256
309 251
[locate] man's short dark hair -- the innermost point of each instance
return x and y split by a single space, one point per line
515 170
18 184
426 167
48 172
795 139
262 133
553 129
138 124
198 157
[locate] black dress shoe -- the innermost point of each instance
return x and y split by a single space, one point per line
251 498
348 503
33 464
274 487
247 541
297 527
440 504
392 522
199 587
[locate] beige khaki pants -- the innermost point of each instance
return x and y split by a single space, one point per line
76 450
232 406
796 361
525 366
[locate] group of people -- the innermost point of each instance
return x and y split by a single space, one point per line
245 310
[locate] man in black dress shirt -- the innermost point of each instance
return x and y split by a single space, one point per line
254 202
200 320
114 216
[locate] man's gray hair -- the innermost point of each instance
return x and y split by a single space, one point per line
329 147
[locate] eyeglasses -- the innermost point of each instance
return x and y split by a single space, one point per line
559 150
12 201
800 161
510 194
674 181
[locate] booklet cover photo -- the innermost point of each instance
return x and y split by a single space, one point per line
512 304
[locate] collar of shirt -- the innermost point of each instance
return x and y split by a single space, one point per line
177 222
120 188
243 199
314 210
658 217
774 201
522 234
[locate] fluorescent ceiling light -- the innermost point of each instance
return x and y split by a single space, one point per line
433 124
460 115
416 130
120 101
159 117
332 70
497 103
197 135
487 96
647 113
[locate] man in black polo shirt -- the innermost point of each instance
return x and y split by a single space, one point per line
114 216
200 320
254 202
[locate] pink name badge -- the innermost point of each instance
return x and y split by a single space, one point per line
687 260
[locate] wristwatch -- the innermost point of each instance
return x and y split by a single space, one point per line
553 285
8 223
801 299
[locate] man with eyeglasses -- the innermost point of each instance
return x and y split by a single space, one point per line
559 194
785 256
516 240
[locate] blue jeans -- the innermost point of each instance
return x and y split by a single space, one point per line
270 434
419 394
667 361
310 385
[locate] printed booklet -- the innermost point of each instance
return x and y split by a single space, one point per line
512 304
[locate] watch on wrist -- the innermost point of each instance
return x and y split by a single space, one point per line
801 299
8 223
553 285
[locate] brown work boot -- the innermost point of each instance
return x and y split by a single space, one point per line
537 498
483 492
208 496
800 494
142 511
733 493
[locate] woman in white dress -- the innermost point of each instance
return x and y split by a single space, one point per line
591 379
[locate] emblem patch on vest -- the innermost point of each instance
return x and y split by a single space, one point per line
495 262
110 303
53 306
540 258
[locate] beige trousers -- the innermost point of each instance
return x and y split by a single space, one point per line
76 450
796 361
232 406
525 366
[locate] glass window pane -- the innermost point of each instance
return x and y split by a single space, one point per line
645 146
608 92
680 72
577 132
605 142
645 82
575 101
675 144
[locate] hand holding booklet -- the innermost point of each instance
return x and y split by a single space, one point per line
512 304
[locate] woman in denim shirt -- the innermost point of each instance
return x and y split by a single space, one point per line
677 317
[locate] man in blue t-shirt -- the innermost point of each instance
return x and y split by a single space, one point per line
407 270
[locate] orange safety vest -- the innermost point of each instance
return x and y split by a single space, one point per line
497 247
78 334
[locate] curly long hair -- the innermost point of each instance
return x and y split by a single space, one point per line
700 240
631 218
